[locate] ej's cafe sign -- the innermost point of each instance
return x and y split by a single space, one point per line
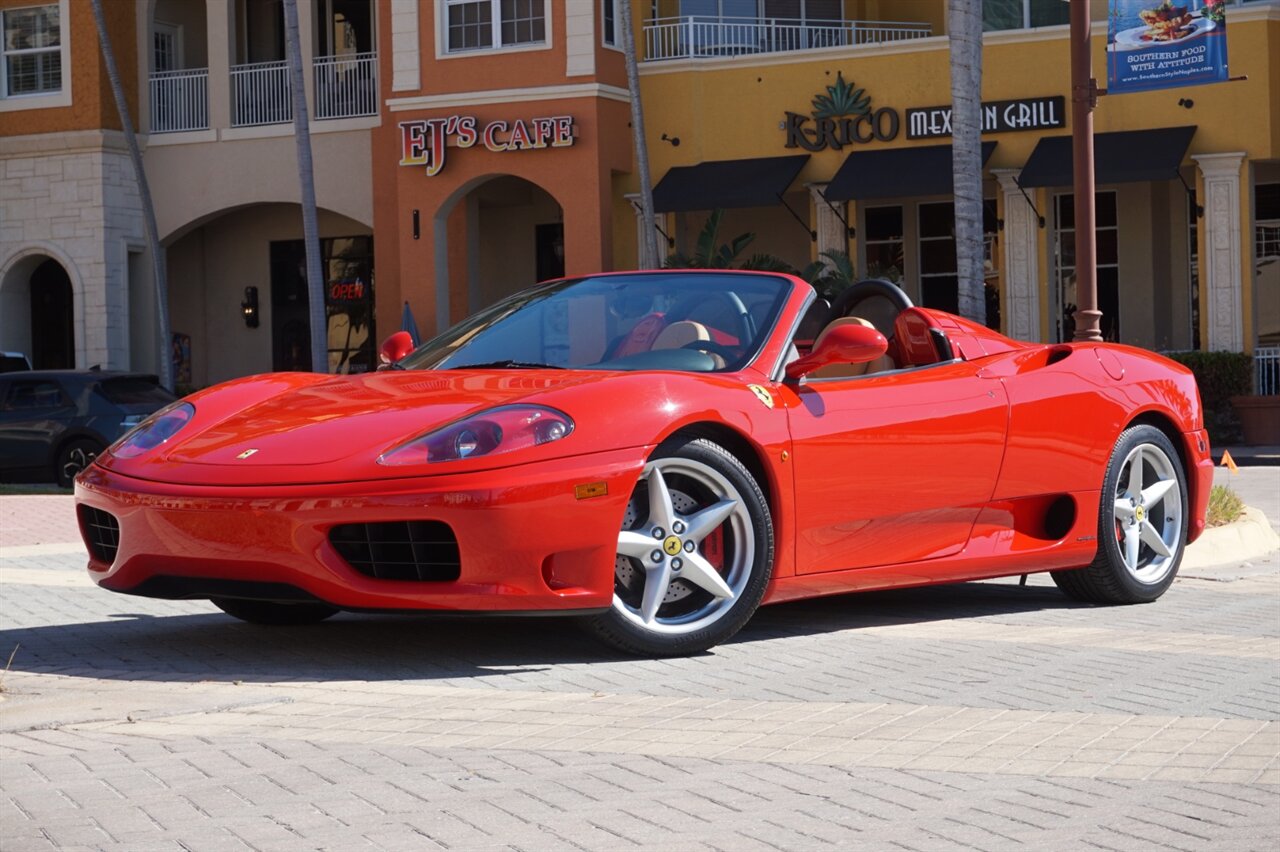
425 141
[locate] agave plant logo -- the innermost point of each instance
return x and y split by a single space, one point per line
841 115
841 100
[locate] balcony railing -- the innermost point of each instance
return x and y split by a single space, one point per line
260 94
180 100
698 37
1266 370
346 86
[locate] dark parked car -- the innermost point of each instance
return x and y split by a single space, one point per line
13 361
53 423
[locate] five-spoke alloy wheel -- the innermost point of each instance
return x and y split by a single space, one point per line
1142 523
73 457
695 553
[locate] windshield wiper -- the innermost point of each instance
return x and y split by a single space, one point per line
507 365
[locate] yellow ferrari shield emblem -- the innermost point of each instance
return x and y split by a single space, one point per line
671 545
763 394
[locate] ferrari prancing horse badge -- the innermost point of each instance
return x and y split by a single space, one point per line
763 394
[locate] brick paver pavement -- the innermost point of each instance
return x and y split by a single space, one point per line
983 716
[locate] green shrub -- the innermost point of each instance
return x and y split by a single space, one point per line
1225 506
1220 376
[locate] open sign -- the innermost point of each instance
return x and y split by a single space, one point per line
346 291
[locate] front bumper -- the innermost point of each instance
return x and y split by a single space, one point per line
526 542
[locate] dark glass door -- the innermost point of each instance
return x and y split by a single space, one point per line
52 323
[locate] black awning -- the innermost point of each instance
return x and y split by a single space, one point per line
896 173
1124 157
756 182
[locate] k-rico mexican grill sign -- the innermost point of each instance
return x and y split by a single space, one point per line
843 116
424 142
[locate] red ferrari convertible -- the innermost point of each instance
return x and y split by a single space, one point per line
660 453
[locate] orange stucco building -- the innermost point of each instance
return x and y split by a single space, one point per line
504 208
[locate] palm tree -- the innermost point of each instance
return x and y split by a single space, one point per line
648 248
709 253
144 196
965 36
306 181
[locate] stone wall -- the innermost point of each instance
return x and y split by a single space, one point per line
73 198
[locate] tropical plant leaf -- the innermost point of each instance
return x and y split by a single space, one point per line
767 263
840 100
707 254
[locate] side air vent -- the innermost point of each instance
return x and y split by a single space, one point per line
101 533
425 551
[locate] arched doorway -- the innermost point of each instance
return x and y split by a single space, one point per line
519 238
496 236
53 344
238 297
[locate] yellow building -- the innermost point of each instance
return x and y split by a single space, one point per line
1188 179
728 89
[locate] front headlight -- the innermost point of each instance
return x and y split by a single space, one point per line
154 431
498 430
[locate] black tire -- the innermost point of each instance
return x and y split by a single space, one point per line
74 456
274 612
1110 579
688 617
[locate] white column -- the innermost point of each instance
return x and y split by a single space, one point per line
643 261
1221 282
580 38
832 233
221 26
1021 260
406 60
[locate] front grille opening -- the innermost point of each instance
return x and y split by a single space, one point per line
400 550
101 533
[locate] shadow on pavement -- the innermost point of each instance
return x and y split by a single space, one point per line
188 647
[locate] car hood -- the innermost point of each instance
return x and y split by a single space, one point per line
302 428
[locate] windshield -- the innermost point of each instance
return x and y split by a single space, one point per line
699 322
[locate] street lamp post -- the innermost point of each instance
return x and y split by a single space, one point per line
1084 97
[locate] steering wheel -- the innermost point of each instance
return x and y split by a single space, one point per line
849 303
728 353
745 331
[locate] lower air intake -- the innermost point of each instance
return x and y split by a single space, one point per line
424 551
101 532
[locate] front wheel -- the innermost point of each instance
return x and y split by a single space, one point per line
274 612
694 556
1142 524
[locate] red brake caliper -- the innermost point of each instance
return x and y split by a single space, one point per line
713 548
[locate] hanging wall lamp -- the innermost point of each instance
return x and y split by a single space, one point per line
249 307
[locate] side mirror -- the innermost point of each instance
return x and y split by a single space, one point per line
848 343
395 347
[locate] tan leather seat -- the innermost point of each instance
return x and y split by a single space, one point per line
848 371
680 334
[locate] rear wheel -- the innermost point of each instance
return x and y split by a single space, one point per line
274 612
694 554
1142 524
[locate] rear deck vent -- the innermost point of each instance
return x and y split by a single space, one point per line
101 532
400 550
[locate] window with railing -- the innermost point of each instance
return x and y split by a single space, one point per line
346 86
1019 14
261 94
31 51
696 36
487 24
